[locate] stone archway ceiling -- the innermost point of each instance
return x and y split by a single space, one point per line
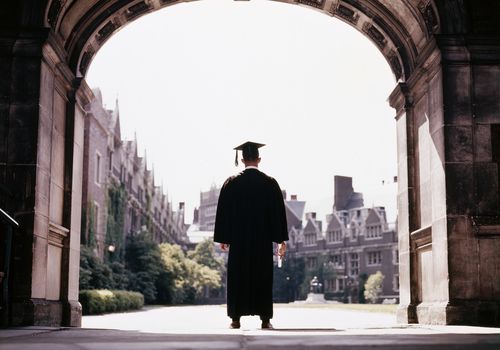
400 29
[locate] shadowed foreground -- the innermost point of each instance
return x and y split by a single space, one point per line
205 327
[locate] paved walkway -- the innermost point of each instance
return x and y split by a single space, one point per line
205 327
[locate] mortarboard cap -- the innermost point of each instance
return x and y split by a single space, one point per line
249 149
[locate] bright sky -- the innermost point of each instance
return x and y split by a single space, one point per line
196 79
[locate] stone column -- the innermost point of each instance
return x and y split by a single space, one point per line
449 195
34 163
471 99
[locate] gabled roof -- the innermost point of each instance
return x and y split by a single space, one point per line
296 208
373 217
312 225
334 223
115 124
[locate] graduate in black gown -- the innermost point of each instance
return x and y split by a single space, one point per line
250 217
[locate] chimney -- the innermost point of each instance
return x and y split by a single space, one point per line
311 215
343 191
196 216
293 197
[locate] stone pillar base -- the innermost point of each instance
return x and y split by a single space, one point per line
72 314
48 313
479 313
406 314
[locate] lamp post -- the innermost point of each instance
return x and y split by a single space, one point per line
287 289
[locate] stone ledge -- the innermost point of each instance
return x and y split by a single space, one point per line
486 225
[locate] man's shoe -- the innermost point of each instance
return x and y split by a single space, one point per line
267 325
235 325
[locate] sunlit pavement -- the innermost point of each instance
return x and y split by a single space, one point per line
206 327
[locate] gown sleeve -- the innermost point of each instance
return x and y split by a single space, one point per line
278 218
223 217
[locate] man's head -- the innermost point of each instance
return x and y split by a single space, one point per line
250 152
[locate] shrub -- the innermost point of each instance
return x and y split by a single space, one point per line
373 287
99 301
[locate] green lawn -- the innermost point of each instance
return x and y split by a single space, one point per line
385 308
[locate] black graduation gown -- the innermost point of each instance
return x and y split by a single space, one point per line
250 216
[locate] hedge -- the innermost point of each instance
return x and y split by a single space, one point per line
99 301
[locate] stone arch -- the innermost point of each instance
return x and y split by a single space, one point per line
445 56
400 34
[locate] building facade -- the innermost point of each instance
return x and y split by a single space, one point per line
355 243
112 170
208 208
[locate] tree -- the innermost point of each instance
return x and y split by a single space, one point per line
361 291
143 260
184 280
204 254
373 287
288 279
116 201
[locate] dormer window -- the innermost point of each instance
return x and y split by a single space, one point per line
373 231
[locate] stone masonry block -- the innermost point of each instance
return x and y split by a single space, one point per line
25 86
463 267
21 179
482 143
458 143
486 188
47 90
440 270
44 143
437 145
59 114
436 118
39 272
457 98
459 227
5 67
487 90
489 272
459 188
23 128
4 131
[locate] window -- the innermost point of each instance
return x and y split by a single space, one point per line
374 258
310 239
395 256
330 285
334 236
340 285
96 218
123 173
395 283
110 154
211 210
336 260
354 232
312 262
97 168
354 270
129 182
140 194
373 231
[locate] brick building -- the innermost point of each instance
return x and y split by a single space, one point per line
355 243
110 162
208 208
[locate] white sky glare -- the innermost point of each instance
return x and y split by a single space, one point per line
196 79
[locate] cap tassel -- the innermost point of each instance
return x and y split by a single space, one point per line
236 159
